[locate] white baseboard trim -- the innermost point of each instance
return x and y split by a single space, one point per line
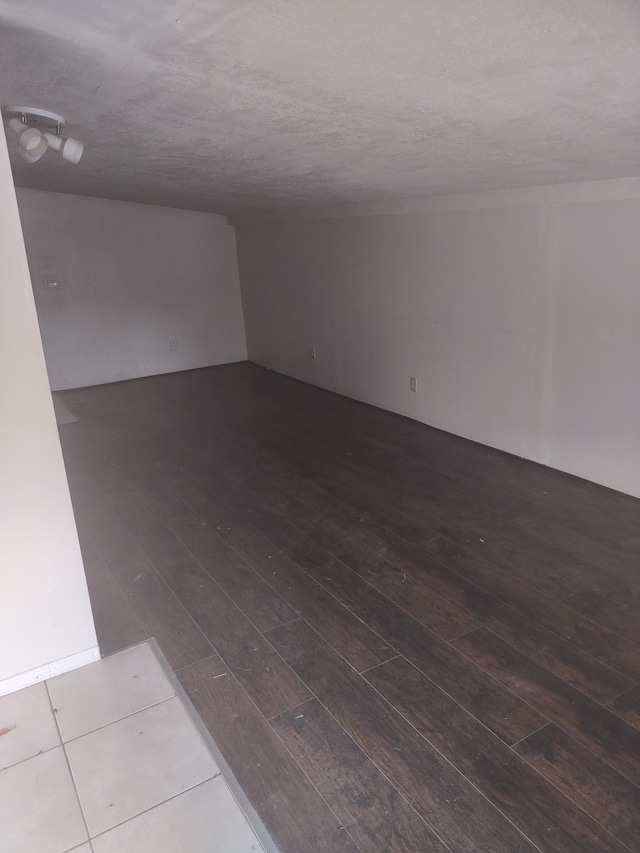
48 670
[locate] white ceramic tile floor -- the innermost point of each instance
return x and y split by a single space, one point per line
39 809
31 725
93 696
123 769
200 819
145 759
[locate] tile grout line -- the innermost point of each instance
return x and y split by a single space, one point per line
156 805
29 757
119 719
68 763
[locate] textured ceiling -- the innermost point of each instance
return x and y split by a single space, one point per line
224 105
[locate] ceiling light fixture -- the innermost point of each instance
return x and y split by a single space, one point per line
35 130
31 143
70 147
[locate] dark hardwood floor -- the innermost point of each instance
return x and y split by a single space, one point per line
400 640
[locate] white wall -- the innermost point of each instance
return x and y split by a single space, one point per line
521 321
131 277
45 616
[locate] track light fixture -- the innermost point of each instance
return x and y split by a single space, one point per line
31 143
35 130
70 147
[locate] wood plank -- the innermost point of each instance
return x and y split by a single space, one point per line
622 618
617 561
358 643
546 647
557 572
534 805
500 710
117 626
355 641
352 509
453 808
263 674
160 613
596 727
373 810
627 706
439 615
239 446
606 795
293 812
500 480
246 507
285 503
350 506
171 553
260 603
289 539
514 487
182 487
204 610
600 642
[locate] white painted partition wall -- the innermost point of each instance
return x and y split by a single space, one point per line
46 625
131 278
518 312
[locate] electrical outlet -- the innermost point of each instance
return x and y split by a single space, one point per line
413 384
173 344
312 352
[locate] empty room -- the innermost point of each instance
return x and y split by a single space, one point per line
320 467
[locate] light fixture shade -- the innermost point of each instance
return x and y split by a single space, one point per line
17 127
32 144
28 156
72 149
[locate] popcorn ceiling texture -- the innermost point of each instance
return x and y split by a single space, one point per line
228 105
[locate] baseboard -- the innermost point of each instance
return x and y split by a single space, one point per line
48 670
